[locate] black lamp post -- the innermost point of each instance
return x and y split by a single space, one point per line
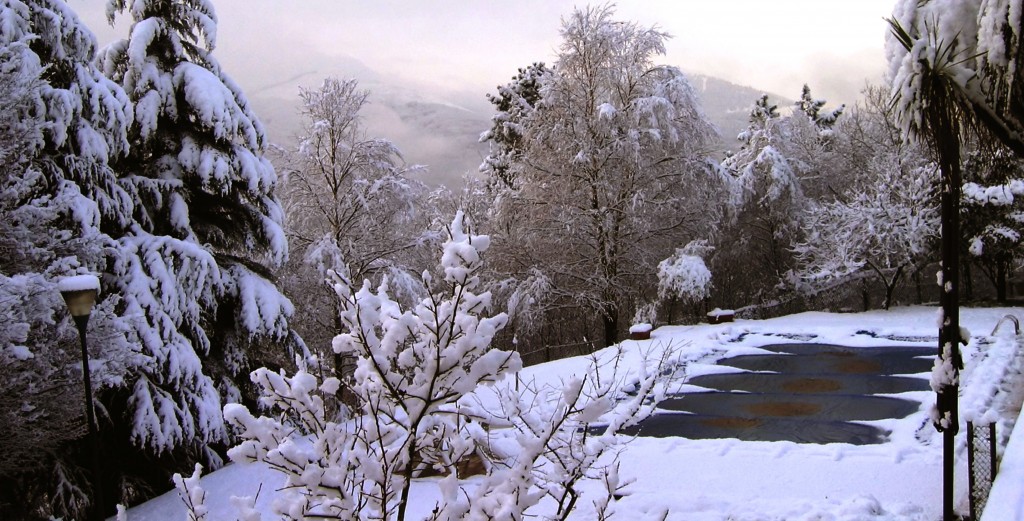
79 294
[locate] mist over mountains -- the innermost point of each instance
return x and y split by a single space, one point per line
441 130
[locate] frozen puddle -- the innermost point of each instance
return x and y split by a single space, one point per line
805 393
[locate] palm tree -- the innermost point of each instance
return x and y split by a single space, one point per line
933 108
949 86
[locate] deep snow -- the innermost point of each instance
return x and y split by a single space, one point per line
730 479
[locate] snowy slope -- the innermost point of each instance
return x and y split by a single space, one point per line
730 479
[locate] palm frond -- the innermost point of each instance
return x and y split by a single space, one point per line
948 93
900 33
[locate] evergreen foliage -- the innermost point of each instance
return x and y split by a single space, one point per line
62 120
812 108
514 102
993 221
198 260
148 171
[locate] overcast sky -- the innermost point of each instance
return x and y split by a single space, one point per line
451 53
835 45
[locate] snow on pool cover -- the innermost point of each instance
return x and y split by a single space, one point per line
805 393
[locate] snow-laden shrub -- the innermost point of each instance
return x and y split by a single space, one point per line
420 407
646 313
413 366
550 438
684 275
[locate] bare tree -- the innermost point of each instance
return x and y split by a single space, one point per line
610 181
882 231
349 203
877 218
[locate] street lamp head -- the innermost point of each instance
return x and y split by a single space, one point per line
79 293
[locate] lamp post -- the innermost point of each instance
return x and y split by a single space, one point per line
79 294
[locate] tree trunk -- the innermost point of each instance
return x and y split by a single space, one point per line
917 286
343 364
890 287
611 324
339 360
946 141
1001 282
968 281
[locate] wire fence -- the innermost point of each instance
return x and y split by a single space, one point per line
998 392
983 463
548 353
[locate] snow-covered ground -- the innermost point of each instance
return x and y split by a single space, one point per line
738 480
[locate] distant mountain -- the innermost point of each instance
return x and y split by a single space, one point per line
443 136
728 105
438 130
442 129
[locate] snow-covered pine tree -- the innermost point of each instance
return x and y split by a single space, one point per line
812 108
60 122
761 174
523 289
766 197
785 161
196 266
515 101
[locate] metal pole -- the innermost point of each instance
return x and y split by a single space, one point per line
972 485
993 460
97 508
948 453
